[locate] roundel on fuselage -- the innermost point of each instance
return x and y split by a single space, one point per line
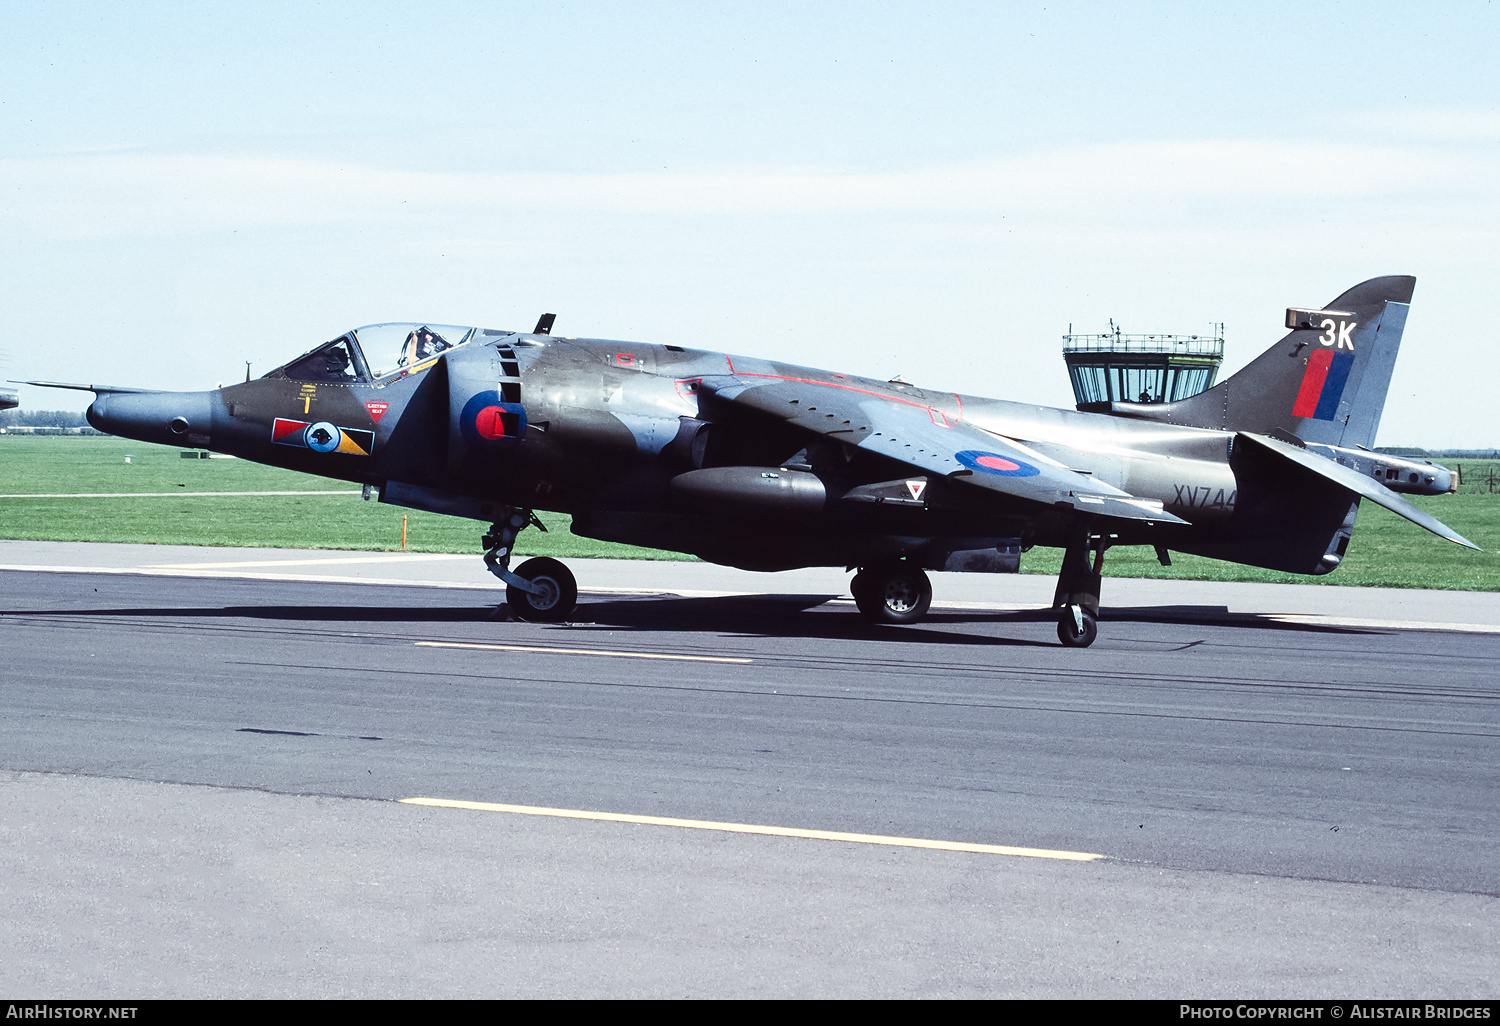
994 463
486 420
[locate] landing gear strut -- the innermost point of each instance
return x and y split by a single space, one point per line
897 592
539 589
1077 596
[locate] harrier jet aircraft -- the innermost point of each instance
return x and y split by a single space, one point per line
769 466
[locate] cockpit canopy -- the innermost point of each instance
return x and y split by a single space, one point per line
375 351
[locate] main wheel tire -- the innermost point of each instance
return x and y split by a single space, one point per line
860 586
1068 632
892 594
559 596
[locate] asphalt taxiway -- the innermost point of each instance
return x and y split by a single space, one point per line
207 751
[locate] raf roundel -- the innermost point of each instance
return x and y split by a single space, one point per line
994 463
488 420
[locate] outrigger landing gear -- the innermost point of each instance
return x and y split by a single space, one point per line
1077 596
897 592
540 589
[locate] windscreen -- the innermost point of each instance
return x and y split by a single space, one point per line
336 362
389 348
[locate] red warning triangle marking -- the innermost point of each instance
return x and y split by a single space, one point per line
916 488
377 410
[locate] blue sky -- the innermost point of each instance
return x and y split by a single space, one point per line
935 190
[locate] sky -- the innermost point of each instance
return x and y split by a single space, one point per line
936 190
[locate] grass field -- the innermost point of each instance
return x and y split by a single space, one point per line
72 465
1386 551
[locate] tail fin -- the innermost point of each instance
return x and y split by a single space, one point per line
1324 382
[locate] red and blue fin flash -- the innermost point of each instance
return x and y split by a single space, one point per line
1323 384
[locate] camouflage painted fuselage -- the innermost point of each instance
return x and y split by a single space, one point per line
693 451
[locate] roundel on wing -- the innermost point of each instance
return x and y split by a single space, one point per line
994 463
487 420
322 436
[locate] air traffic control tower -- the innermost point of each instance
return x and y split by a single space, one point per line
1141 368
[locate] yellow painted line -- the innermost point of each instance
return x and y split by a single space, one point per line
772 831
582 651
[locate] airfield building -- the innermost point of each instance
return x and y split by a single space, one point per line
1116 367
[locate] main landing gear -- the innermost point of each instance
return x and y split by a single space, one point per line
1077 597
899 592
540 589
895 592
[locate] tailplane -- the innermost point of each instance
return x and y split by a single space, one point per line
1324 382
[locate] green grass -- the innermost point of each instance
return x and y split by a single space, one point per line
70 465
1387 550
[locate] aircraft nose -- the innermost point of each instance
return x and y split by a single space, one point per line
170 418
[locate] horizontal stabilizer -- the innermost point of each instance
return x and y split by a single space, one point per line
1359 484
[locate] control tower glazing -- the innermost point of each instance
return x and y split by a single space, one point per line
1141 368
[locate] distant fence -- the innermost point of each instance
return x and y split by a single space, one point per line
50 431
1479 478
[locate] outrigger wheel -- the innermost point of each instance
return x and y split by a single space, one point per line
556 596
1077 597
1076 627
892 593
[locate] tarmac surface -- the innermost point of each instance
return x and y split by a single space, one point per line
204 755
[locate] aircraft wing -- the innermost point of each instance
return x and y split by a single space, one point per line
1359 484
924 437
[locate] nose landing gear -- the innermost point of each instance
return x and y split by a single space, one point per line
540 589
555 595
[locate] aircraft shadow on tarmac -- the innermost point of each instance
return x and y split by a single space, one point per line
783 616
778 615
805 616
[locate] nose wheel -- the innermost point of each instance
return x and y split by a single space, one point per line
893 593
556 593
540 589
